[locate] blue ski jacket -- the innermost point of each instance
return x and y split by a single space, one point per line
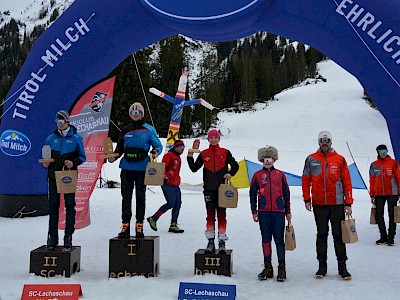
65 148
134 144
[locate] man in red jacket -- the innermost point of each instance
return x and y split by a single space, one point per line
327 175
384 182
170 188
216 161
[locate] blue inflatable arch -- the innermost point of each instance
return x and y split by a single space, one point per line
93 36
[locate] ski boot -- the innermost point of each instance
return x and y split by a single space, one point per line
322 269
139 230
268 271
281 272
125 231
221 247
152 223
67 242
174 228
210 246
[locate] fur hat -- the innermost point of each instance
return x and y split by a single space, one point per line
62 115
136 106
213 132
268 152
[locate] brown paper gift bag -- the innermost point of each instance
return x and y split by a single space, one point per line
290 237
66 181
227 195
372 219
349 231
397 214
154 173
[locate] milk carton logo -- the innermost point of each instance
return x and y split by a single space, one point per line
14 143
66 179
229 194
152 171
205 10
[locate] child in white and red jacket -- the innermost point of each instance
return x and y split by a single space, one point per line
270 203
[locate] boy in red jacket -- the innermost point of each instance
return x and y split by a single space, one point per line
384 183
215 160
170 188
270 203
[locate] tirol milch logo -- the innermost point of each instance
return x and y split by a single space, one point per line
14 143
229 194
195 10
66 179
98 100
152 171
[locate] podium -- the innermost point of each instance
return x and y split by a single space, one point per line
213 263
134 257
48 263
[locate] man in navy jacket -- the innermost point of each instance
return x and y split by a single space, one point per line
68 151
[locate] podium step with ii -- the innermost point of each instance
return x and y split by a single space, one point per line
49 263
213 263
134 257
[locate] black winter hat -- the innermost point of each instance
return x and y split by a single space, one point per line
381 147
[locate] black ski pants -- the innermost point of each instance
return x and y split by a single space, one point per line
54 206
131 179
380 220
334 214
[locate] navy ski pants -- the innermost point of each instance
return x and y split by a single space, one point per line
174 201
272 224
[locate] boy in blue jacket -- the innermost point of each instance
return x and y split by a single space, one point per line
68 151
270 203
134 144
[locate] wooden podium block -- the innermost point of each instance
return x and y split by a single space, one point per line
134 257
48 263
213 263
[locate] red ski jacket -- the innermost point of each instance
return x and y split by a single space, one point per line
270 188
216 161
173 163
384 177
329 179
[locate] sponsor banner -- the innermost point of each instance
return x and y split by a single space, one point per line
14 143
204 291
91 116
51 291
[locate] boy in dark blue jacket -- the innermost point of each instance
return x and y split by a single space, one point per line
134 144
270 203
68 151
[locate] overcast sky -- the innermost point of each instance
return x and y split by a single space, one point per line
14 4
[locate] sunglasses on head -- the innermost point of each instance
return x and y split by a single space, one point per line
61 121
383 151
325 140
180 145
136 112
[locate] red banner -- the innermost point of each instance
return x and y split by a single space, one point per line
91 116
51 291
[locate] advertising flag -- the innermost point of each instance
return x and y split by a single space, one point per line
91 116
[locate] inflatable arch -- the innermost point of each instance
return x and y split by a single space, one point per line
93 36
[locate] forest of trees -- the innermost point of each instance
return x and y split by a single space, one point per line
233 74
